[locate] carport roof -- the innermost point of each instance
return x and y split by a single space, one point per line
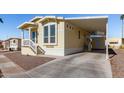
95 23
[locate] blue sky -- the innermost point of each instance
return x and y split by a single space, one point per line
11 21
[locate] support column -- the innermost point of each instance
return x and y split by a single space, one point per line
22 36
107 55
30 33
35 37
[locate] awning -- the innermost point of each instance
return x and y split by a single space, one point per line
89 23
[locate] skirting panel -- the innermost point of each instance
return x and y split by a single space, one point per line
72 50
54 51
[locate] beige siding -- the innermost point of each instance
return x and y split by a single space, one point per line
17 43
72 41
57 49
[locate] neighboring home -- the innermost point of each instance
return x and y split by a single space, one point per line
116 42
12 44
5 44
1 46
52 35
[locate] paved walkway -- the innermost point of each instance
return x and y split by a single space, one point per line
83 65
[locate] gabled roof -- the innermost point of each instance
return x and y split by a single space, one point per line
36 18
93 23
32 23
26 24
51 17
12 38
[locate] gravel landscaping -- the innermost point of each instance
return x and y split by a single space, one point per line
117 63
27 62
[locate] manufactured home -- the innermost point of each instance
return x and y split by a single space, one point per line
12 44
116 43
51 35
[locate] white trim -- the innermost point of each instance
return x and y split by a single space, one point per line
32 23
47 17
97 36
29 32
107 43
36 18
54 51
56 30
52 17
90 17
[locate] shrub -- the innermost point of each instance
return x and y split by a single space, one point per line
122 47
1 46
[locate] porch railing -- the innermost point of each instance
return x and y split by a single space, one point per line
29 43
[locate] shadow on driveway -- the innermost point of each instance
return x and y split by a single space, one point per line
112 53
27 62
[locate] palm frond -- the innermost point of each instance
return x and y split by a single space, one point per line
1 20
122 17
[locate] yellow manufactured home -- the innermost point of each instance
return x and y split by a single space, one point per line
116 43
51 35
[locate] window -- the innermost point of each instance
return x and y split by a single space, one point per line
67 25
79 35
33 36
14 41
46 34
50 33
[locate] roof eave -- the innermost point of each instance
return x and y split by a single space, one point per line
20 26
90 17
37 17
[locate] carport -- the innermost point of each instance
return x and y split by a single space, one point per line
97 27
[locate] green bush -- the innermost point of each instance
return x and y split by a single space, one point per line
1 46
111 46
122 47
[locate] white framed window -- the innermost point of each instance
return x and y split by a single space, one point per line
50 33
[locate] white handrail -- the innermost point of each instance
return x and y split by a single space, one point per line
29 43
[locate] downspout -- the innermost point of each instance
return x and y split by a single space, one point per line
107 55
64 35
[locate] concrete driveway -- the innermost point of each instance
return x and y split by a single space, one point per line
82 65
92 65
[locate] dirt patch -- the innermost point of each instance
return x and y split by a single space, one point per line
27 62
117 63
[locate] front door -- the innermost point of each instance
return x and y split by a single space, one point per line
34 37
